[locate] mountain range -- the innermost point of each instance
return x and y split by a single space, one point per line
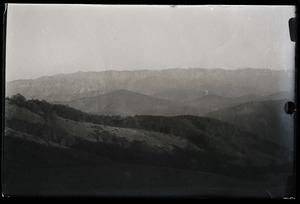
157 92
171 84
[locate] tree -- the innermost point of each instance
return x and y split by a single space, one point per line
18 99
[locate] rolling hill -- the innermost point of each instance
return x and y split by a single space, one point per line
264 118
64 126
128 103
179 95
119 102
211 103
52 148
60 132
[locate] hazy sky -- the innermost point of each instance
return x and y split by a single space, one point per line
51 39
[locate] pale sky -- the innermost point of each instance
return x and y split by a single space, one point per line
52 39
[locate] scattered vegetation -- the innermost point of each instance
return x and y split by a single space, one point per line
227 149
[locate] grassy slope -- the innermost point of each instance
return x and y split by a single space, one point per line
159 142
33 169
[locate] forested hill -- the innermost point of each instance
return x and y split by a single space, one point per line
41 135
209 135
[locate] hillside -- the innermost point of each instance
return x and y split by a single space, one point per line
119 102
128 103
61 132
42 138
68 127
211 103
225 83
264 118
179 95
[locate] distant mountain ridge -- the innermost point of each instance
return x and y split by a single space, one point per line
119 102
170 83
129 103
